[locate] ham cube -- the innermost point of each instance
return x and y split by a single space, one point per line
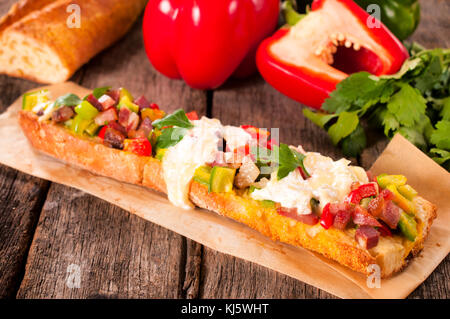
106 101
105 117
367 237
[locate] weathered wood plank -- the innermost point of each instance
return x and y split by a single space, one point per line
21 199
138 259
118 254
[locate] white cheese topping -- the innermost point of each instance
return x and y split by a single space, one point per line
330 182
235 137
198 146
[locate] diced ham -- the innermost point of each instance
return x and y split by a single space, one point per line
387 194
342 218
105 117
145 128
106 101
142 102
124 115
114 94
362 217
118 127
133 122
62 114
309 219
390 214
95 103
248 173
375 207
113 138
367 236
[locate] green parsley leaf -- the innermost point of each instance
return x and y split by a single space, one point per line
407 105
445 111
170 136
346 124
177 118
98 92
441 136
320 119
289 160
67 100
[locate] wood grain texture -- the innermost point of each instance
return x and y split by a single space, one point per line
118 254
21 198
123 256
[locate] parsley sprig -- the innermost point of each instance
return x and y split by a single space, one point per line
174 127
414 102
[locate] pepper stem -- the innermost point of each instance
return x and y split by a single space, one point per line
290 14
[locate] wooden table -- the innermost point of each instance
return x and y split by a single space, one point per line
45 227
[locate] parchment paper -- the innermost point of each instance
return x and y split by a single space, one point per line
230 237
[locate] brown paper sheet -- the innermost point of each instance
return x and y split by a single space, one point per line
230 237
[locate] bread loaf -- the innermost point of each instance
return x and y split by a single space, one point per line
39 42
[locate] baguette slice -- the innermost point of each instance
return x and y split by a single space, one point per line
391 254
37 44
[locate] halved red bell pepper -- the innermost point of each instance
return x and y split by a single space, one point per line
205 41
306 61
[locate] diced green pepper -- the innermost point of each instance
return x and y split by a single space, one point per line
92 129
125 93
86 110
203 175
251 189
160 152
408 226
401 201
79 124
267 203
385 180
126 102
407 191
32 99
221 180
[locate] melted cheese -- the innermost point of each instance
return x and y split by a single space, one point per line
198 146
330 182
235 137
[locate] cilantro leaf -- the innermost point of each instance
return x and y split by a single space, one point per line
170 136
441 157
346 124
407 105
445 111
289 160
177 118
67 100
320 119
98 92
353 144
441 136
414 137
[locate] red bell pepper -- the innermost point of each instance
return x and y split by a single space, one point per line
138 146
193 116
306 61
204 41
363 191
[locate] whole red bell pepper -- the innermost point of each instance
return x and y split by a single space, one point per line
205 41
336 38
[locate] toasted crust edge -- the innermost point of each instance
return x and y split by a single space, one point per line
102 160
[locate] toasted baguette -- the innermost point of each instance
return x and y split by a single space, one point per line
37 44
391 253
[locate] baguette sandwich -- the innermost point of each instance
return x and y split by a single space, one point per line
297 197
41 41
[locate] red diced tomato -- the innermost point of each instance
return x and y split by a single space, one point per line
138 146
101 134
193 116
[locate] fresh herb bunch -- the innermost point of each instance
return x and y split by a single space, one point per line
414 102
